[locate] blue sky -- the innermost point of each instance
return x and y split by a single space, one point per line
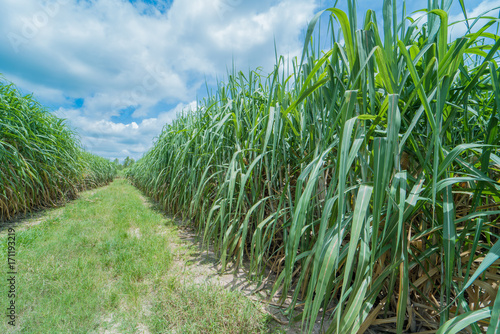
119 70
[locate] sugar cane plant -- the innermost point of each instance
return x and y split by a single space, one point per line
41 160
367 180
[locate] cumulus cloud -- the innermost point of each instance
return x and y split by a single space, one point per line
119 140
115 55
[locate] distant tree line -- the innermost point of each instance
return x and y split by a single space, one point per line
128 162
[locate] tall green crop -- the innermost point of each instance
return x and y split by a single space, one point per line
367 179
41 161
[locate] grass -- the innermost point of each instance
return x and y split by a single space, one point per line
366 176
205 309
100 263
42 162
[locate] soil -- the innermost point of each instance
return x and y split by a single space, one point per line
200 265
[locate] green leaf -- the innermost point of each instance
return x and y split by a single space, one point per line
494 327
456 324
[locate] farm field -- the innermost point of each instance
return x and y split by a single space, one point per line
365 175
42 163
360 181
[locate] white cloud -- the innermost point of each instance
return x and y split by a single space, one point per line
116 55
108 45
119 140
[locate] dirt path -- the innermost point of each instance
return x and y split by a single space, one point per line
107 264
198 265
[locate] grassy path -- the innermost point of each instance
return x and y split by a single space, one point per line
103 264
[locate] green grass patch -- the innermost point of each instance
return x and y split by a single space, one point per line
222 311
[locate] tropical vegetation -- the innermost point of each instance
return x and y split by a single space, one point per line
366 177
41 160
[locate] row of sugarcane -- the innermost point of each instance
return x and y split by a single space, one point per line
41 160
366 180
